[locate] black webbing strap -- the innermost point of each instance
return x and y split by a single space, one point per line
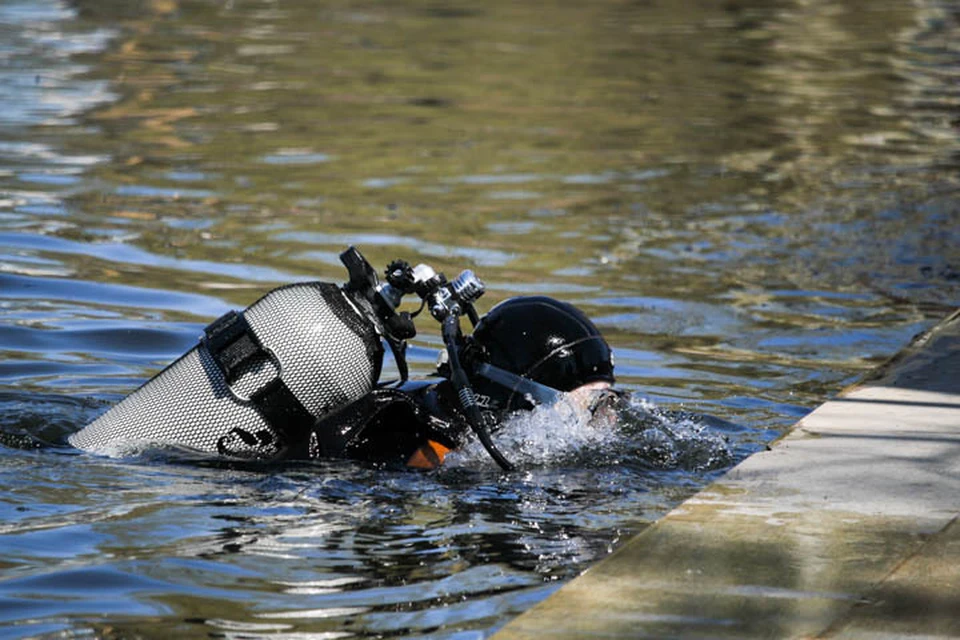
232 343
284 412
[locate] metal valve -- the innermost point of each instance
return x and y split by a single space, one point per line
468 287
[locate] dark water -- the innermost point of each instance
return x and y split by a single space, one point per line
756 201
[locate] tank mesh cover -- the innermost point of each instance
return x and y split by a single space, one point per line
327 354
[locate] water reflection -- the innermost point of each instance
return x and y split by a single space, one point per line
755 200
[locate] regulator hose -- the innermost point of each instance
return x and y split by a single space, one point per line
450 329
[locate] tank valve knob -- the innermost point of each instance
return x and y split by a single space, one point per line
468 287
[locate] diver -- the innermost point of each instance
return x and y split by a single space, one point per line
527 351
296 374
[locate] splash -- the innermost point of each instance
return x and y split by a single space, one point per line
633 431
674 439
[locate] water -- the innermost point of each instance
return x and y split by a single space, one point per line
756 201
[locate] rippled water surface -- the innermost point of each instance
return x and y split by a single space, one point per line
756 201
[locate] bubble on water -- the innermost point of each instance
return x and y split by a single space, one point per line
635 431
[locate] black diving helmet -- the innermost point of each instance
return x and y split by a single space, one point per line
529 350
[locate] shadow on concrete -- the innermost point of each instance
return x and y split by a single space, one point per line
915 403
930 363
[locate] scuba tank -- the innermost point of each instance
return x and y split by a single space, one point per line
262 382
259 379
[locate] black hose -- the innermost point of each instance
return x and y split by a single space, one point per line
472 314
451 327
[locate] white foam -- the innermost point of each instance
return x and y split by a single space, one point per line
566 433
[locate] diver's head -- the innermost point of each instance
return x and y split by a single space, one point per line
530 350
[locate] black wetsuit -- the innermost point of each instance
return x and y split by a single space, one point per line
415 423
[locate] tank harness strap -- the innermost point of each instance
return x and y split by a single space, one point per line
232 343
